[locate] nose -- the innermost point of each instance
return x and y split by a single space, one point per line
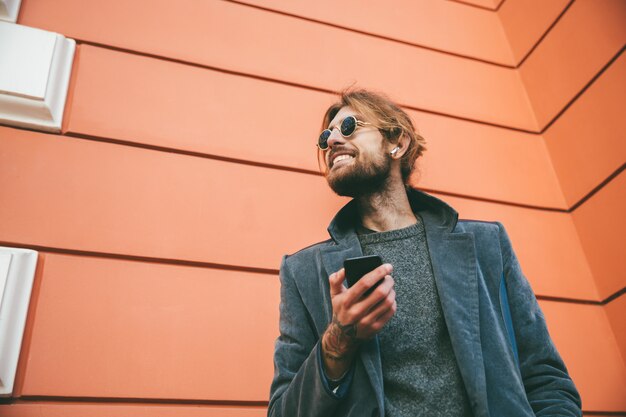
335 138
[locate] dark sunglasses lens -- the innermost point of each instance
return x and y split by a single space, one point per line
348 125
322 142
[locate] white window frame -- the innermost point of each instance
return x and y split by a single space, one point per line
17 274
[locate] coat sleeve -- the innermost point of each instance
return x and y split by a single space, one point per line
297 389
549 388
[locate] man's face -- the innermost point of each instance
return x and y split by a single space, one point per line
358 165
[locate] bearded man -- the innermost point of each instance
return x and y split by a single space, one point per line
447 326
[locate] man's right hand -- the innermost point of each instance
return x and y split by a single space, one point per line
356 317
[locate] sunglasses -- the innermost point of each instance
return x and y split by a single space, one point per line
347 128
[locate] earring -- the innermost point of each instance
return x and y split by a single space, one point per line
394 150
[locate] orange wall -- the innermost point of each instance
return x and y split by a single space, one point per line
186 168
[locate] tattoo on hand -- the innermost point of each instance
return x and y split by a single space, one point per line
341 339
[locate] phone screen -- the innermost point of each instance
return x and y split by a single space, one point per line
359 266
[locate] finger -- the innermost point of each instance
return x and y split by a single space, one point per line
378 294
366 301
384 318
366 304
336 282
380 308
370 279
380 321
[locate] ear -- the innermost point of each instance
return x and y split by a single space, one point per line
402 145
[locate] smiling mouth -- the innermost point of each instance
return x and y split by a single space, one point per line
339 157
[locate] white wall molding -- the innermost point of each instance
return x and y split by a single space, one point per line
17 273
9 10
35 69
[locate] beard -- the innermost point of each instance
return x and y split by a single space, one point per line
360 179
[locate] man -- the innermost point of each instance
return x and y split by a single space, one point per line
432 338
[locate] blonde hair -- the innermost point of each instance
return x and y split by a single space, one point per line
387 116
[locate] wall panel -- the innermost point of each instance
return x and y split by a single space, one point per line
95 196
209 32
478 33
146 100
601 223
616 311
545 242
586 144
525 22
87 195
488 162
127 329
584 338
588 36
483 4
43 409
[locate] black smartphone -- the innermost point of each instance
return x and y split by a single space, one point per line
359 266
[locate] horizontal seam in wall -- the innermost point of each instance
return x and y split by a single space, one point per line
582 91
145 259
264 271
374 35
532 49
316 173
586 197
597 188
477 6
417 45
196 154
332 92
494 201
26 399
604 302
288 83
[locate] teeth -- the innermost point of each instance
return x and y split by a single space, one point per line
341 158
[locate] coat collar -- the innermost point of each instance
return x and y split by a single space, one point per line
439 212
454 262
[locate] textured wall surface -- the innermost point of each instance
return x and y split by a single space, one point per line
187 167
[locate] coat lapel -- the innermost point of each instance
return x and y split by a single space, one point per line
453 257
333 257
342 230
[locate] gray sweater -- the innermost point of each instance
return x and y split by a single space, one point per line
420 373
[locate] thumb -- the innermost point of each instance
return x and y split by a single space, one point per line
336 282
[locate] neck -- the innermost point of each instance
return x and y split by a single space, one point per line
387 209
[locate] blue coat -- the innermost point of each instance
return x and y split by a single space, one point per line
468 260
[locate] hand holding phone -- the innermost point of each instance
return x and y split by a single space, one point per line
358 314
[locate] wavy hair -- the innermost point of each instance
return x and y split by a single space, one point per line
387 116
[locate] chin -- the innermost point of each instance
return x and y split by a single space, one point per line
354 181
